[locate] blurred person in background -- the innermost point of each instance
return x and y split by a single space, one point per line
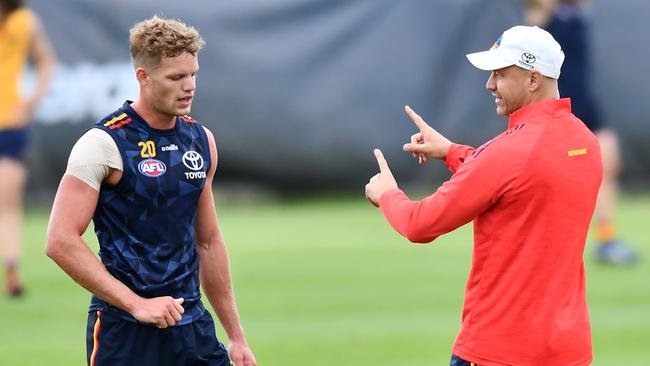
21 37
568 22
531 192
143 174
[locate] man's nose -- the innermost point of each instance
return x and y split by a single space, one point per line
190 83
491 85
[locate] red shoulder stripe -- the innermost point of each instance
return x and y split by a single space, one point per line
120 124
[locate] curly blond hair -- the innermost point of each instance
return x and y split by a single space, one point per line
154 38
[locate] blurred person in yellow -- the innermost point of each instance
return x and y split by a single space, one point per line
21 37
568 21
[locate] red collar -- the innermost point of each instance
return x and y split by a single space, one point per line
545 108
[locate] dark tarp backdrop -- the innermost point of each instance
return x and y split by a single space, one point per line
298 92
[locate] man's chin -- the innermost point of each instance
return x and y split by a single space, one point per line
183 111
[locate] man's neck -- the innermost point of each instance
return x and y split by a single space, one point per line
154 119
547 94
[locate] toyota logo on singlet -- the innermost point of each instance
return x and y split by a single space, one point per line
193 160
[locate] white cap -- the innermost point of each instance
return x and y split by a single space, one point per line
531 48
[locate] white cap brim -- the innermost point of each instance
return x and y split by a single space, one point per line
489 60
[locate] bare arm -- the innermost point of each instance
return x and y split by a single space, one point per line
73 208
43 55
214 269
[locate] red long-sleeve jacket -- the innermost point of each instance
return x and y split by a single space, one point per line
531 192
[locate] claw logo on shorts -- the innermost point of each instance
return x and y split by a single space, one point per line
152 168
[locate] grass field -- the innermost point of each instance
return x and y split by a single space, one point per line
327 282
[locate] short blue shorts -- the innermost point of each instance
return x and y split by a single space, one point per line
111 340
457 361
13 143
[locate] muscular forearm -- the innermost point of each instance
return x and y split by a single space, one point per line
226 310
217 285
76 259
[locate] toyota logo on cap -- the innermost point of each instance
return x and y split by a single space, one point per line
528 58
193 160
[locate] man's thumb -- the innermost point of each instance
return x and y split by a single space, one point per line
414 148
179 300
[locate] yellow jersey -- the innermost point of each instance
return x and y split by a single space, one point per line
16 33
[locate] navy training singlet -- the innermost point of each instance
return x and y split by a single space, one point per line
146 223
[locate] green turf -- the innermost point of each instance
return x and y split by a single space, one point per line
327 282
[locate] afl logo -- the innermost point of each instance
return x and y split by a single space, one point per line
193 160
152 168
528 58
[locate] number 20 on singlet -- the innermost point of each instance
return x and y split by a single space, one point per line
148 149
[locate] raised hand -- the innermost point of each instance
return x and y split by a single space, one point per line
381 182
427 143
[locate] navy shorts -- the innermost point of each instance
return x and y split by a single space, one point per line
111 340
457 361
13 143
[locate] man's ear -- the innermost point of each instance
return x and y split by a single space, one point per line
535 80
142 76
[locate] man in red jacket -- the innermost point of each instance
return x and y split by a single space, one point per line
531 192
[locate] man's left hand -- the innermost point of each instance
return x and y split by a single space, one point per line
381 182
240 354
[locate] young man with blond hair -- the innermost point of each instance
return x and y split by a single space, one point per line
144 175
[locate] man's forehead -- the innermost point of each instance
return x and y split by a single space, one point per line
512 70
184 61
507 69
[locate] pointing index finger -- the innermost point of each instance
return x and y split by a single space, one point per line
383 165
419 122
